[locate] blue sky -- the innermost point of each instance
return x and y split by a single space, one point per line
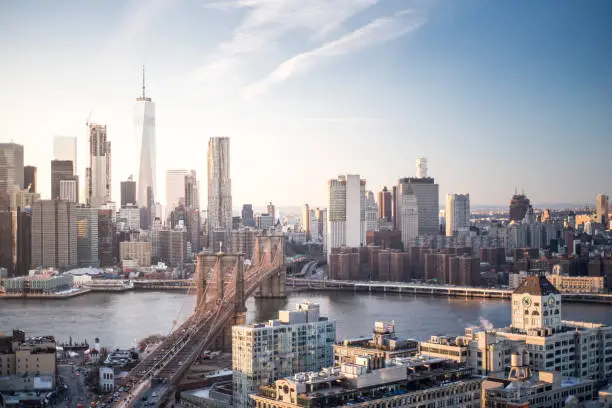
496 95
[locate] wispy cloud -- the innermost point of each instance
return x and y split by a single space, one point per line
376 32
267 21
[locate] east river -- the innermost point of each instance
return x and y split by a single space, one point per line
121 319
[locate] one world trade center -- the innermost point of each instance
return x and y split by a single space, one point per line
144 123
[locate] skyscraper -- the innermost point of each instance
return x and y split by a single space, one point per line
409 210
306 220
60 170
192 209
219 192
99 171
54 234
272 211
69 190
371 212
385 210
457 214
144 124
175 189
519 204
87 237
426 191
11 167
346 212
602 208
128 192
65 148
248 219
29 178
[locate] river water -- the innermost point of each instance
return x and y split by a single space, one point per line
121 319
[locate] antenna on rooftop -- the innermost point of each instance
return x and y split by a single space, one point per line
143 81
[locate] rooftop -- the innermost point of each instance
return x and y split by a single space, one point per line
536 285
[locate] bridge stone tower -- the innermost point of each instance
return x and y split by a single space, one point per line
265 247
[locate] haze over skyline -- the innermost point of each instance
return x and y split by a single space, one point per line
495 95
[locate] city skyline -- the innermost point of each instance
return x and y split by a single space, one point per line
365 89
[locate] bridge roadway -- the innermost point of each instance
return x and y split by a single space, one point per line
429 289
176 353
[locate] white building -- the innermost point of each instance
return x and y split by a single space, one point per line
69 190
371 212
300 340
219 193
421 167
99 172
107 380
131 217
146 159
458 214
346 212
409 216
427 194
175 189
315 234
306 220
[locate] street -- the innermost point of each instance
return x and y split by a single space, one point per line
77 390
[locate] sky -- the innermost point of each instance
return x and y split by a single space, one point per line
497 95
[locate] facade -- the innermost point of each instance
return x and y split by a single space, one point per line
248 219
385 200
99 170
175 189
519 205
128 193
65 148
107 379
106 237
409 216
271 208
219 193
578 284
60 170
306 221
371 212
192 208
54 234
30 178
172 247
421 167
11 167
264 221
145 173
138 251
457 214
87 237
346 212
300 340
130 216
405 382
426 191
69 190
26 358
602 208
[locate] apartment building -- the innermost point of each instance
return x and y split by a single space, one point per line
27 362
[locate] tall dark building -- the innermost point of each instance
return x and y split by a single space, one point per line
6 233
128 192
106 237
248 220
394 208
24 241
385 199
29 178
519 205
60 170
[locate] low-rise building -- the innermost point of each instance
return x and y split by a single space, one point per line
383 346
405 382
578 284
38 284
138 251
27 363
107 380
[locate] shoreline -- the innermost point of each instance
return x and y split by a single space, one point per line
55 296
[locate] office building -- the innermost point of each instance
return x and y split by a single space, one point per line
172 248
65 149
264 221
192 210
426 191
54 234
145 147
243 241
321 216
306 218
129 218
27 363
519 205
371 209
69 190
30 178
602 208
106 237
24 241
346 212
410 382
385 209
87 237
457 214
175 189
11 167
408 216
138 251
298 341
219 194
60 170
7 236
248 219
128 193
98 173
272 211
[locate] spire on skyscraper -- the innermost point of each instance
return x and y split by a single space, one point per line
143 82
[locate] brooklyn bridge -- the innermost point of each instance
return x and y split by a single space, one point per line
222 283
